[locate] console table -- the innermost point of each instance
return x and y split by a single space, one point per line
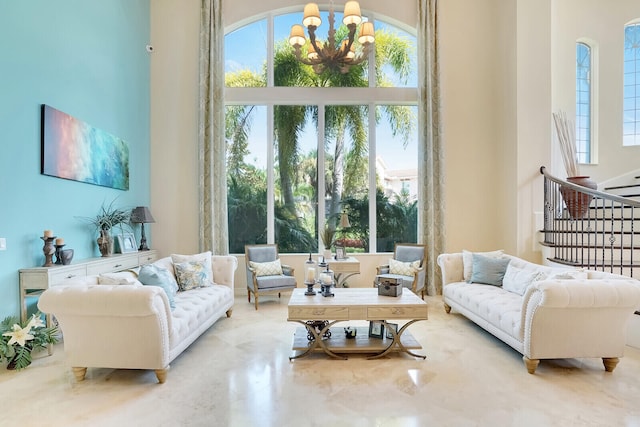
343 269
354 304
34 281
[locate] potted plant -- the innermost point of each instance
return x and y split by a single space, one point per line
19 339
104 221
327 235
577 202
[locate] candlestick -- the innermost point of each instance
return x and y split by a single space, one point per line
48 250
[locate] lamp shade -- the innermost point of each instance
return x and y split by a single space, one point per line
366 33
311 15
344 220
296 37
351 13
141 215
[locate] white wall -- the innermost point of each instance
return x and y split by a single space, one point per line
602 22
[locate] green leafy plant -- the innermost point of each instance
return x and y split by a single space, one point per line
327 235
19 339
109 217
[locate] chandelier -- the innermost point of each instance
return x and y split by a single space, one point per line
328 56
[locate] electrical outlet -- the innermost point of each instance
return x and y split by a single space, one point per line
3 244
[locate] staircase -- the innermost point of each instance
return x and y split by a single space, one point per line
631 191
605 238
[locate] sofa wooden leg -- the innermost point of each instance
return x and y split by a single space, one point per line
610 363
79 373
228 312
447 307
161 374
531 364
255 297
248 295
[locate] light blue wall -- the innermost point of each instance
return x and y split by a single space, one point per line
88 59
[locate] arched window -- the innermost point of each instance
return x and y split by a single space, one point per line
631 108
305 148
583 102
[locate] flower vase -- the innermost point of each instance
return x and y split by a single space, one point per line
577 202
105 243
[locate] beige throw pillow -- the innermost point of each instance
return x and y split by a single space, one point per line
273 268
403 268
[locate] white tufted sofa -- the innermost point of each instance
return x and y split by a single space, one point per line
554 319
132 326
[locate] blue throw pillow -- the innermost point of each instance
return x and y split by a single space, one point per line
488 270
152 275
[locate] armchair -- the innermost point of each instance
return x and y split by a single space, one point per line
265 274
408 266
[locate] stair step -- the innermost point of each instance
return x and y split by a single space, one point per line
618 187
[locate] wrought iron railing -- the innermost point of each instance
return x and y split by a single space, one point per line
603 235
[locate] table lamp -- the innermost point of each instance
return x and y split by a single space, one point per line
142 215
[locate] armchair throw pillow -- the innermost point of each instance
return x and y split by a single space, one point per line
272 268
403 268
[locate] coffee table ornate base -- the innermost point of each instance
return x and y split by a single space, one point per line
336 344
318 314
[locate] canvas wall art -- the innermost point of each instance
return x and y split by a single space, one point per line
73 149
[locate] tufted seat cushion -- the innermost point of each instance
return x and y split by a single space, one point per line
500 308
194 308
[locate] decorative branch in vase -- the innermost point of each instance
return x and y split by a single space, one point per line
577 202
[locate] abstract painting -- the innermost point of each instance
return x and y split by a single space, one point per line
73 149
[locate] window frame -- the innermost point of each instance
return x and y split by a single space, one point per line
636 84
270 96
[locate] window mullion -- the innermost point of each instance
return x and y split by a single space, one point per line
270 177
320 219
373 229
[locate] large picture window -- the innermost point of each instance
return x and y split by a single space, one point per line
298 160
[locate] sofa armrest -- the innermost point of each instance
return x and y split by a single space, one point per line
578 318
287 270
223 267
451 267
112 326
382 269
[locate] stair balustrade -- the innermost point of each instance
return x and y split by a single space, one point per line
605 236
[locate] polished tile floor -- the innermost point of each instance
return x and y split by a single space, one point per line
238 374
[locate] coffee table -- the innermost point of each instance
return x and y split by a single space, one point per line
354 304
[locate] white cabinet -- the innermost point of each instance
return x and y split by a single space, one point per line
33 281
